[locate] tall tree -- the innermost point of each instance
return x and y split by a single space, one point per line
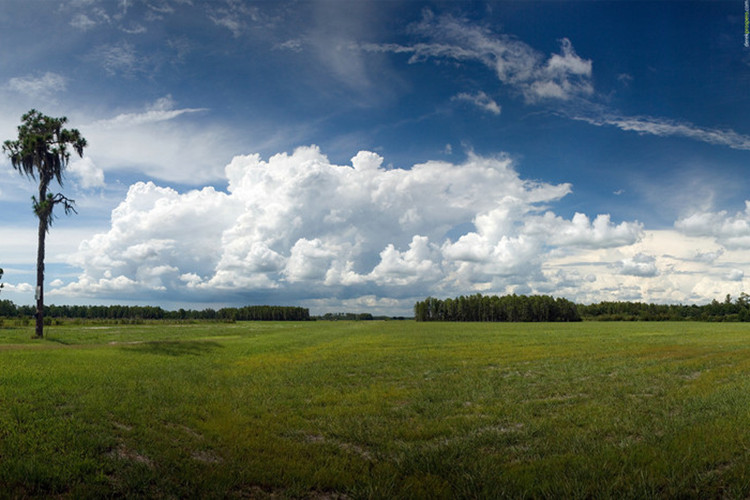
42 152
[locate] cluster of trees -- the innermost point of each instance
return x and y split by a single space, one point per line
341 316
493 308
249 313
545 308
264 313
728 310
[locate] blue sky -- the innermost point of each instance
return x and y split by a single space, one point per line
362 155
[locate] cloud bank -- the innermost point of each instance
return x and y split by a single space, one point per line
297 227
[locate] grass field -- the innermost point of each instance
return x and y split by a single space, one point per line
377 410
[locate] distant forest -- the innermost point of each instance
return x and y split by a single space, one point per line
493 308
515 308
545 308
248 313
726 310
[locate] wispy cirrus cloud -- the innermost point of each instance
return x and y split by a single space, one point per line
157 140
562 80
665 127
38 86
481 100
161 110
118 59
516 64
83 22
233 15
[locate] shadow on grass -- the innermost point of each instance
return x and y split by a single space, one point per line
174 347
57 340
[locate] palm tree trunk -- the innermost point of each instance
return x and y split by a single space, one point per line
40 279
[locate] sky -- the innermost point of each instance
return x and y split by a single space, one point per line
360 156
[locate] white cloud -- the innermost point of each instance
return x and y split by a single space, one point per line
664 266
160 141
580 231
641 265
708 257
82 22
22 288
160 111
92 17
304 227
87 173
38 87
735 275
233 15
481 100
120 58
559 77
665 128
19 244
420 262
731 231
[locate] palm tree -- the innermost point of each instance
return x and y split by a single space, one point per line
42 151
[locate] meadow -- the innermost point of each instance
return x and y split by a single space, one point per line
376 409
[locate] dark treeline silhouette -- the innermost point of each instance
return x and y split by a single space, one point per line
249 313
348 316
493 308
727 310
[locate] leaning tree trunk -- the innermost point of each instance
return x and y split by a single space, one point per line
40 279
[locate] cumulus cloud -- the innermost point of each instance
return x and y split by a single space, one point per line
641 265
735 275
21 288
580 231
299 225
708 257
732 231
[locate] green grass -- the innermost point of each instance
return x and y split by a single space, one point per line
377 410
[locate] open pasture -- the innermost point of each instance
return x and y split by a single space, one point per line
376 410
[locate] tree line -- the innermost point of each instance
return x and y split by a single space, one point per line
493 308
116 312
726 310
545 308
